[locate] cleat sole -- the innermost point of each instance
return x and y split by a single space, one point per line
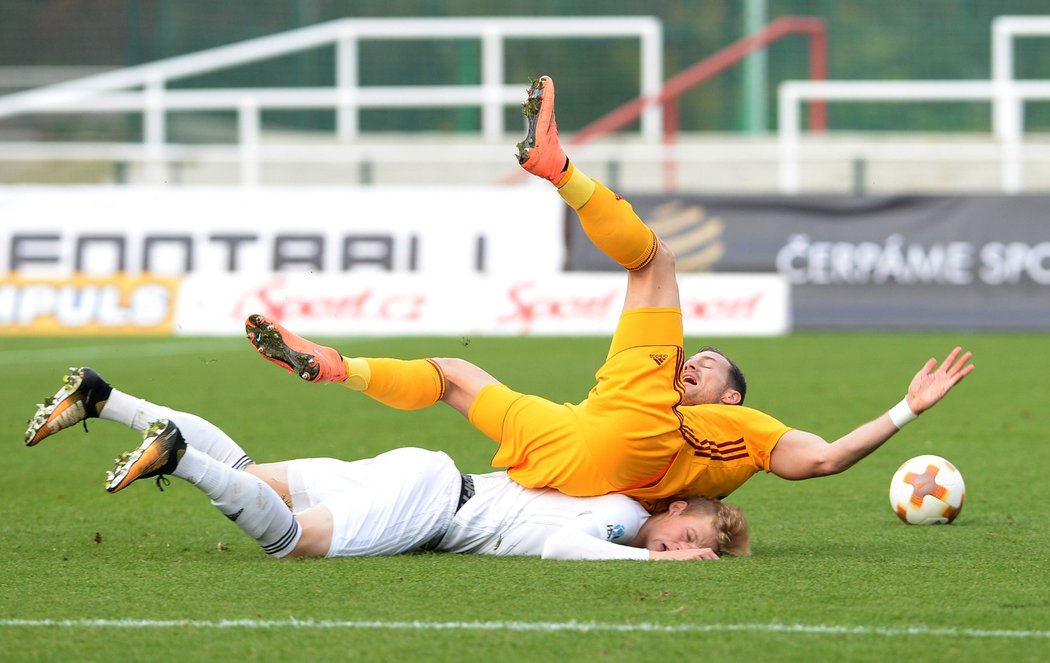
57 412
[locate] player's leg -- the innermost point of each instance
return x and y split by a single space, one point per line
86 395
315 520
398 383
608 220
656 284
82 396
629 419
274 475
539 441
317 526
243 498
463 382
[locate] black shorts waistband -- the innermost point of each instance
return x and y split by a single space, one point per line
466 490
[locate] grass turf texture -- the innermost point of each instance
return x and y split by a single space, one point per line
831 562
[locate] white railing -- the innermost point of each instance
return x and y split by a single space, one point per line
1006 94
114 92
793 93
1005 30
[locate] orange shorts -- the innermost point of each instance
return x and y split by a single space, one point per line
623 436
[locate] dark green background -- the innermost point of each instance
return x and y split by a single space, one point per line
868 39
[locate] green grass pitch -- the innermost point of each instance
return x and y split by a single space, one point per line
153 575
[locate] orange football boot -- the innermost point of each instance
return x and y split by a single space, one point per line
308 360
160 452
541 153
83 395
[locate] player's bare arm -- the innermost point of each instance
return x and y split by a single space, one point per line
802 455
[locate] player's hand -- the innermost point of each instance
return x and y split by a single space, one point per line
683 554
932 382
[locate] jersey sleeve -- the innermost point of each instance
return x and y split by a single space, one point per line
600 533
764 433
726 426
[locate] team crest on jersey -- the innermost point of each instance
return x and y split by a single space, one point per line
658 358
614 531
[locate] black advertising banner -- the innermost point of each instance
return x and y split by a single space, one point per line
901 262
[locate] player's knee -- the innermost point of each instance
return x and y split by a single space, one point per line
448 364
462 373
316 539
463 381
662 263
664 258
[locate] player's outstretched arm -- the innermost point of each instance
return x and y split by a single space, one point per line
932 383
802 455
578 541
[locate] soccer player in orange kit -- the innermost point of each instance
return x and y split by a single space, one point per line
658 423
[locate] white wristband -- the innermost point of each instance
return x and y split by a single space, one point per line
901 414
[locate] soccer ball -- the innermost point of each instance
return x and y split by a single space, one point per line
927 490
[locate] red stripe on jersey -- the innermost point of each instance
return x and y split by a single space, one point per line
721 451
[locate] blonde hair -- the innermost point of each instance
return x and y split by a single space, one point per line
734 534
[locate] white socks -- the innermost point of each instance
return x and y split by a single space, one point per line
243 498
128 410
138 413
213 463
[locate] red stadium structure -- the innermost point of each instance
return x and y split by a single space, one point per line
668 96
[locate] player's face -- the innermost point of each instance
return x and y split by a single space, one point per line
705 376
676 530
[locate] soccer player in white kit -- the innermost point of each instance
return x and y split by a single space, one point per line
404 500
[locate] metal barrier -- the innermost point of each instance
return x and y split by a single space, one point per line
1006 108
793 93
102 93
667 98
1006 95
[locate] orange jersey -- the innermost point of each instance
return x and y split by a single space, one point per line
630 435
724 446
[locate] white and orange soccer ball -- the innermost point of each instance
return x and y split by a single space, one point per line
927 490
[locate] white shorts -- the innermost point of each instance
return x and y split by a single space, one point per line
390 504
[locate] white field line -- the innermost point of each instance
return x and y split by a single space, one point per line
542 627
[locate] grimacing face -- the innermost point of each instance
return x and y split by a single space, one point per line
675 529
705 377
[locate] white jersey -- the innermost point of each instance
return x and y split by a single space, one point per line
503 518
409 499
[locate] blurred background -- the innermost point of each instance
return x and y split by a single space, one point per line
888 162
734 109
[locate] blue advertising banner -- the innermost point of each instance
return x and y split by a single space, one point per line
902 262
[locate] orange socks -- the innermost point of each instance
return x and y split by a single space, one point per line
608 220
402 384
575 188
